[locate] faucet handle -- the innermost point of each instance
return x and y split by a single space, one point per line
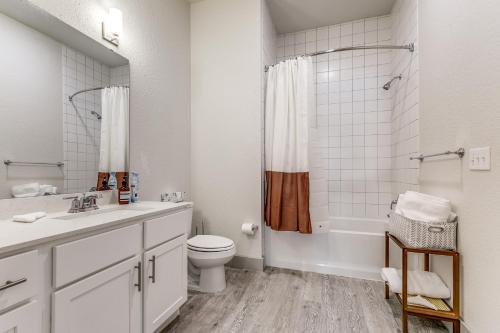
75 204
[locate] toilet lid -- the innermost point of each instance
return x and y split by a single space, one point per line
209 242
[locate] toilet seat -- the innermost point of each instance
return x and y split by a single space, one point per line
209 243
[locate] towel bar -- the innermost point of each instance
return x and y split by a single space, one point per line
460 152
9 162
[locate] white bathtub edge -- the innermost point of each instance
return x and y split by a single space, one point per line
345 271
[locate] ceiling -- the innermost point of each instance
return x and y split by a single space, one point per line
296 15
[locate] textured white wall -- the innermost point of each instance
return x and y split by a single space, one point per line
30 105
156 41
459 106
226 118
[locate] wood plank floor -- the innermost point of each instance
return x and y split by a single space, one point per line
279 300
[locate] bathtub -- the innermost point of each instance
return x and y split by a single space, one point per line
352 247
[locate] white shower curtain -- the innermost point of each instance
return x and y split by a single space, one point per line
114 130
289 103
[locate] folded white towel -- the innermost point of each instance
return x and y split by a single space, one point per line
423 207
419 283
32 190
29 218
26 190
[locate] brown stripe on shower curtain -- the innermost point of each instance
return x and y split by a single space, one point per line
287 201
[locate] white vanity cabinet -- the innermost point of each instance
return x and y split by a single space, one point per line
165 282
129 277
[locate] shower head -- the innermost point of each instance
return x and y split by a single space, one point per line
388 84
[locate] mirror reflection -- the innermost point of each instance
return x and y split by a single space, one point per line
65 116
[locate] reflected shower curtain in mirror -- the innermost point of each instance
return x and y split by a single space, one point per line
289 101
114 134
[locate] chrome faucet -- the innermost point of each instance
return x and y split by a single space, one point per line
84 203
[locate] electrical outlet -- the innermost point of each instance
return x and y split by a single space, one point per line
479 158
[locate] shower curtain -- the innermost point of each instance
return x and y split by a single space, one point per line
114 134
289 100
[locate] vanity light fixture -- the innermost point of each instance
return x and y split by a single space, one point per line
113 26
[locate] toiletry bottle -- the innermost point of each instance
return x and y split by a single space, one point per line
124 193
112 181
104 186
134 184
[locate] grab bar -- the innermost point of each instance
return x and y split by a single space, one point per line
460 152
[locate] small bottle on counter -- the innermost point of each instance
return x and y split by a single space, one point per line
112 181
134 184
124 193
104 186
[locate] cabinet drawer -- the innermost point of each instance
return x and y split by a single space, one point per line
77 259
164 228
19 276
24 319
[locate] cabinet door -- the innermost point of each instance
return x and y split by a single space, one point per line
109 301
24 319
165 282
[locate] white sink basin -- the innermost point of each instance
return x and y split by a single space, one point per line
115 211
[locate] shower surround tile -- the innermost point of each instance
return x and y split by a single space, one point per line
353 112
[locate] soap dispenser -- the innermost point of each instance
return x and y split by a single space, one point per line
124 193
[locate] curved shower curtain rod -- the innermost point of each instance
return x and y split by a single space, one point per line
410 47
91 89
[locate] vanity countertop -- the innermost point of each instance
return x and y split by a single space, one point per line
15 235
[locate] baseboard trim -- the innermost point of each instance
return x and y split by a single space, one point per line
464 328
169 321
255 264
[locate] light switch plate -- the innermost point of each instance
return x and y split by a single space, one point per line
479 158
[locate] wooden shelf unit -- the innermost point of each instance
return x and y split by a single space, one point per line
454 314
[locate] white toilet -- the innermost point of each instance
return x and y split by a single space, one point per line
208 254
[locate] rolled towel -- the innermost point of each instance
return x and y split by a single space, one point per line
47 190
423 207
26 190
419 283
29 218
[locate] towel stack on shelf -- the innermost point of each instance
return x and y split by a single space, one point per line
425 208
421 284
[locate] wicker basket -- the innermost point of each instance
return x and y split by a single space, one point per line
420 234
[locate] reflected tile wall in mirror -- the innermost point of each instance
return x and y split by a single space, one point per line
81 128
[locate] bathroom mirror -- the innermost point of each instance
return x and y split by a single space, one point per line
51 143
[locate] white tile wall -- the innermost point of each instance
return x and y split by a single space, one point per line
405 115
81 130
353 112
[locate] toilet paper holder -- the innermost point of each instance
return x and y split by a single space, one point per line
249 228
